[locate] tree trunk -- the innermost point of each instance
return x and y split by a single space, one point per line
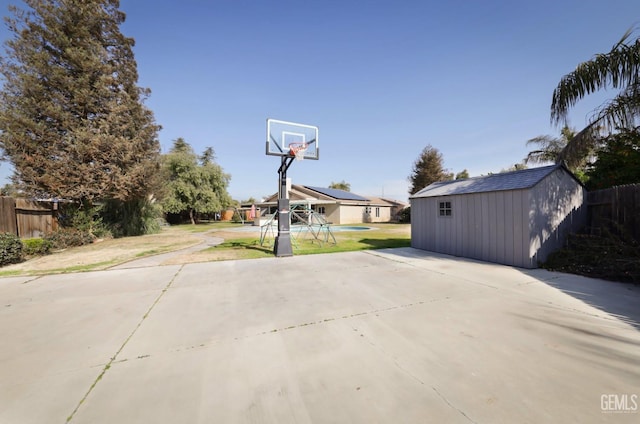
191 216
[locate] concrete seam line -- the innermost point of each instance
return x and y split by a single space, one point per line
114 357
408 372
432 271
452 406
37 277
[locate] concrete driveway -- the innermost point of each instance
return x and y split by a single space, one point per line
392 336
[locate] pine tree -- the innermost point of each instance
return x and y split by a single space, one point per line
71 113
427 169
208 156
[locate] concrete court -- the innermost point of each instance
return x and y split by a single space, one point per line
390 336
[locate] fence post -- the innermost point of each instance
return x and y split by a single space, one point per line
8 220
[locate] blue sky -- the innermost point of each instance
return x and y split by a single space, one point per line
381 79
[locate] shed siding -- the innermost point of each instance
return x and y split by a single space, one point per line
494 233
509 237
491 227
557 206
422 223
463 240
522 230
518 227
485 226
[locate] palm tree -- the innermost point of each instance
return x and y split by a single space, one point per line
619 69
550 147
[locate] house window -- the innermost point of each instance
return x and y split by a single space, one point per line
444 208
321 210
367 209
377 212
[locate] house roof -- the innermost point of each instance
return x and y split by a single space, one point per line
515 180
395 202
338 194
326 196
381 201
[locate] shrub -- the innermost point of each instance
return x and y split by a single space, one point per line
607 256
131 218
10 249
405 215
36 246
84 217
69 237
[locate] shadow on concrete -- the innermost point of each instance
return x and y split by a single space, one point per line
621 300
602 349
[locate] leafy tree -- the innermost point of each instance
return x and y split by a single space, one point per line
618 161
618 69
427 169
462 175
342 185
9 190
72 118
193 185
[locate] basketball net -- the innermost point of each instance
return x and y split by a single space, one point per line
298 150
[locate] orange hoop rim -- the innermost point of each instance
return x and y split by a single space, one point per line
294 148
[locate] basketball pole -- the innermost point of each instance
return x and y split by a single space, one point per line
282 246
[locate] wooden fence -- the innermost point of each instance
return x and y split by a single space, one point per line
28 218
616 208
8 223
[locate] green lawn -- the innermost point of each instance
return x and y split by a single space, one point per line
381 236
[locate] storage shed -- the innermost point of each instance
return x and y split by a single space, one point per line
514 218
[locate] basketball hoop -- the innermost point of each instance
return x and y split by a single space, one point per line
298 150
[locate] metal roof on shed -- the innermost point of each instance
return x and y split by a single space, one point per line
515 180
338 194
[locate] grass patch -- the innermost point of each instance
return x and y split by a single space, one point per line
243 248
150 252
82 268
380 237
206 226
98 266
10 273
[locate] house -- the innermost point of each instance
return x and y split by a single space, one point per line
515 218
396 207
338 206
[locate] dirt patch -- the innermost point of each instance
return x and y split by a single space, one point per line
227 235
205 256
107 253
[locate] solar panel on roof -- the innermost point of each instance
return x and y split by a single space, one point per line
337 194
